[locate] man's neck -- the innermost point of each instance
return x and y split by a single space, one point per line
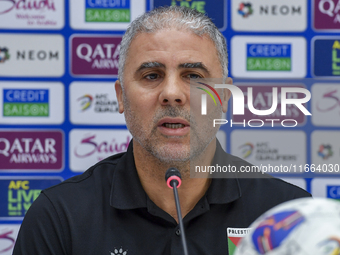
151 173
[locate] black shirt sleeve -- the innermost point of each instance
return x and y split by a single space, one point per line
41 231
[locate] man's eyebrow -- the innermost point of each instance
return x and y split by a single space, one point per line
198 65
146 65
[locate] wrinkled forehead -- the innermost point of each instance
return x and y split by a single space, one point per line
169 29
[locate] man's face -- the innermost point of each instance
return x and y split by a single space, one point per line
156 95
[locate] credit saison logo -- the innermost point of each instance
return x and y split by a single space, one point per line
239 101
4 55
245 9
26 102
107 11
269 57
333 192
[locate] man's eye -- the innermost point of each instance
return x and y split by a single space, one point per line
193 76
152 76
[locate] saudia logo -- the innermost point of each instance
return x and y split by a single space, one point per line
26 102
238 104
88 146
38 5
4 55
7 235
107 11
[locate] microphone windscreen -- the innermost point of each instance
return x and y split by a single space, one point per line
172 171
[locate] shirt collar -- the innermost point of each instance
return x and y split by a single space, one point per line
127 191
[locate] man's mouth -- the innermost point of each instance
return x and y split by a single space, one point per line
173 125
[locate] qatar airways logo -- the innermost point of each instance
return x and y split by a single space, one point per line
31 150
95 55
239 99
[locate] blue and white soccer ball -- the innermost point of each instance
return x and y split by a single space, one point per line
303 226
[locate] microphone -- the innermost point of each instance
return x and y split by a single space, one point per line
174 181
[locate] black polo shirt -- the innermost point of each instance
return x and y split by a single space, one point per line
105 211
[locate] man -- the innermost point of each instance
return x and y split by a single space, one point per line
122 205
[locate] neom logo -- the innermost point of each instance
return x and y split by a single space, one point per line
4 55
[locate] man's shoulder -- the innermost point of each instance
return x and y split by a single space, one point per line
257 184
98 175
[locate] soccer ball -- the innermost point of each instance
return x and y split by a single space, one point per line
303 226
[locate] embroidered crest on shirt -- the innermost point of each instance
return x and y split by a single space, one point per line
234 236
118 252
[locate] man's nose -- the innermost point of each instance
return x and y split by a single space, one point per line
174 91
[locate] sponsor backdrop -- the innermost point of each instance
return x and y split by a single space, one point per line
59 112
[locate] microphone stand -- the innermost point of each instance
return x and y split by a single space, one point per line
173 180
180 221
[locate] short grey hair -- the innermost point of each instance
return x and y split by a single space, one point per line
174 17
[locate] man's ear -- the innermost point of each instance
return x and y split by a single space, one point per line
226 95
119 94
